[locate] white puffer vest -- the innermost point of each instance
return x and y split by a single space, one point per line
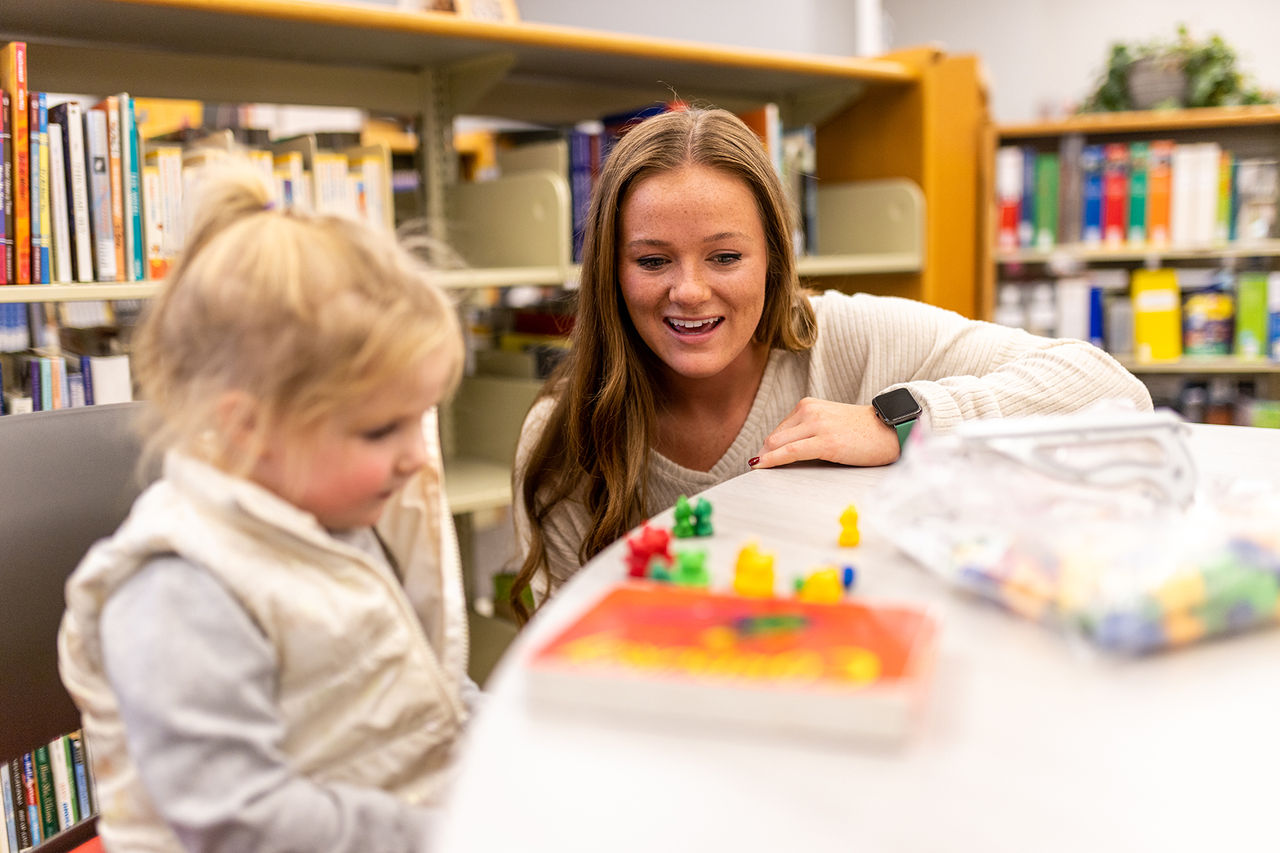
368 697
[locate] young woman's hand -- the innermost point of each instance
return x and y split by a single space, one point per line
834 432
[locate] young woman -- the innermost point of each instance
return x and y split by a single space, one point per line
697 355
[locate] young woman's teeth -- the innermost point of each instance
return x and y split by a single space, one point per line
692 326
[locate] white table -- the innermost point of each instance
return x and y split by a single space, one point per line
1027 745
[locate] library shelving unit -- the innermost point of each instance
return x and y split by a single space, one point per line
899 137
1247 131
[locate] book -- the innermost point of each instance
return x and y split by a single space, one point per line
765 122
106 379
13 80
1252 324
1257 191
1010 178
39 159
1027 208
1273 315
98 166
131 189
60 234
6 193
31 798
1139 158
616 125
68 809
1091 169
70 117
1183 166
1222 226
81 774
1157 315
21 818
799 167
1115 194
1159 192
1046 200
48 799
1205 193
6 798
850 668
110 108
1070 188
167 162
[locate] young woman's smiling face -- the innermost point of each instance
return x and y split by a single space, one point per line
692 263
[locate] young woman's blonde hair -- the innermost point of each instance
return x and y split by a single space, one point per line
300 313
597 441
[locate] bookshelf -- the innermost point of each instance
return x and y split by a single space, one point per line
914 118
1245 132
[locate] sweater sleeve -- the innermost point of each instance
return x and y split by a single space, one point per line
961 369
195 682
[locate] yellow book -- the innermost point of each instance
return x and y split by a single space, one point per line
1157 316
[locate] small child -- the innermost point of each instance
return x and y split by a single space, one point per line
270 653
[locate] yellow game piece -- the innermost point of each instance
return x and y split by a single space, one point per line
849 536
822 586
753 573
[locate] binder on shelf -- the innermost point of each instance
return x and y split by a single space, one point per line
1009 197
1115 194
1046 200
1160 192
1091 166
1157 316
1139 159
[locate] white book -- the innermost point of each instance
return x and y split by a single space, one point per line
110 379
98 167
1073 308
1205 215
60 763
78 193
60 248
1184 165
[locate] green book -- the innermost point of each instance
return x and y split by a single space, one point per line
1139 155
1251 315
44 787
1046 200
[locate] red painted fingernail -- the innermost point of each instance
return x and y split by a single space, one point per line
753 460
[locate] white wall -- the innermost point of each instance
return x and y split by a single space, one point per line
1040 55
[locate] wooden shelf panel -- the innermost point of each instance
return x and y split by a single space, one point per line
385 50
1089 254
1218 365
1155 121
109 290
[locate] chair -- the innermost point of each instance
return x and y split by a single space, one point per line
67 478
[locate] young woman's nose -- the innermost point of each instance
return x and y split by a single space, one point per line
688 287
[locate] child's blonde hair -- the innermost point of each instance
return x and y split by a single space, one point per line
301 312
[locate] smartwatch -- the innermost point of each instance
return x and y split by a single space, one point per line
898 409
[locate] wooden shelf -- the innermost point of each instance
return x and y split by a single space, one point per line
1219 365
109 290
1154 121
1090 254
339 54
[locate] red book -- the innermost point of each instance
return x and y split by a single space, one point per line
1115 194
13 79
851 668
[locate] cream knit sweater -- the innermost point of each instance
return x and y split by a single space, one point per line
958 369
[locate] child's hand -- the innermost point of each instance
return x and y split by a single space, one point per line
834 432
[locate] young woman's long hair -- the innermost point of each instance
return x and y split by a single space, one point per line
596 443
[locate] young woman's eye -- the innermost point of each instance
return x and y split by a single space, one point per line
651 263
726 258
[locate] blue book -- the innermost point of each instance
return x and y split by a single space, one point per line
82 774
132 186
1027 207
32 798
1091 160
86 370
6 792
1097 311
39 240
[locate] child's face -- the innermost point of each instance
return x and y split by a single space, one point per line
349 467
692 264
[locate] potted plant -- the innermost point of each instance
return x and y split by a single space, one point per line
1177 73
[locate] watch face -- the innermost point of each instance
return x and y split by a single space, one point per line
897 406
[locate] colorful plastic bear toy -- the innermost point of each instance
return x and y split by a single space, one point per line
649 545
753 573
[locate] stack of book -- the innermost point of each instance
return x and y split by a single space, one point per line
45 791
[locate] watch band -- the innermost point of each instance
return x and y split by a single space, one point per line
904 429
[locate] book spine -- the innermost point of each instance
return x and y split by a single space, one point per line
33 379
86 370
81 774
78 187
6 193
1157 316
61 233
1251 330
1009 175
112 109
6 795
1139 154
1029 206
1115 194
1046 195
48 799
1183 166
39 191
60 765
13 75
31 797
21 820
1159 192
1091 195
131 164
1222 214
98 165
1070 188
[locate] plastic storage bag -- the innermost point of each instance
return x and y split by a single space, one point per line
1094 523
